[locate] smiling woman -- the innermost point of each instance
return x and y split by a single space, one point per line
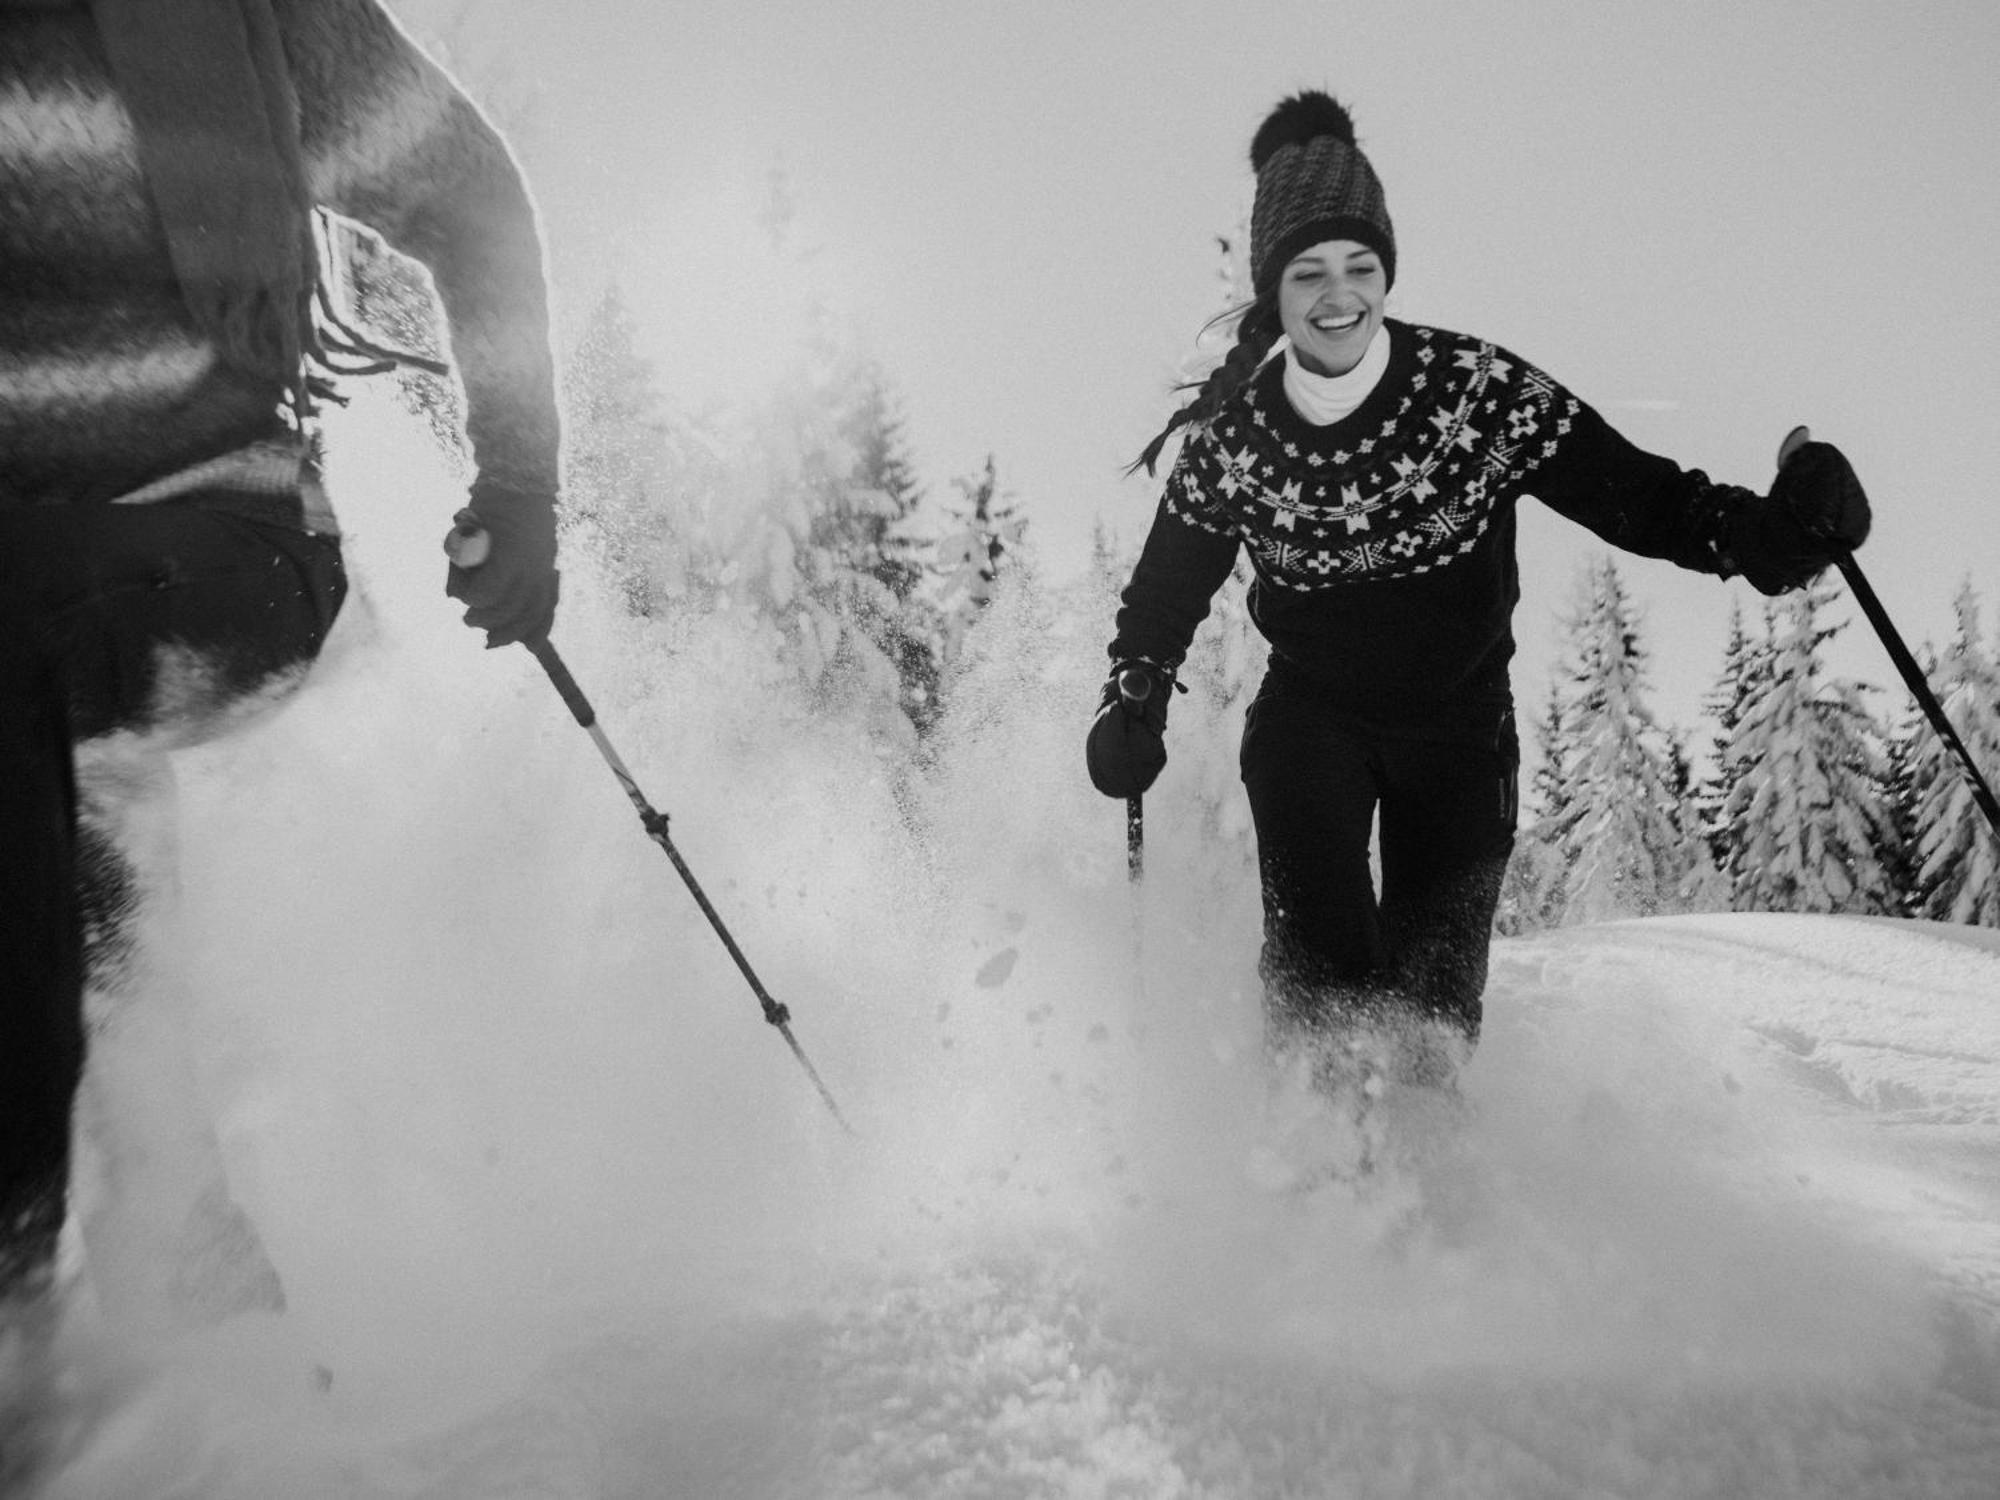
1372 472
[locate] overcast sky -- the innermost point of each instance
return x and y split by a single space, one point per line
1711 220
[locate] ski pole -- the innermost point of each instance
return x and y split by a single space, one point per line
468 541
1134 688
1913 678
1906 664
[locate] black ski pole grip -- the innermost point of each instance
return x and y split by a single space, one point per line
1135 686
467 543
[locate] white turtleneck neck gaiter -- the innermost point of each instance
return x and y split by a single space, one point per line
1324 399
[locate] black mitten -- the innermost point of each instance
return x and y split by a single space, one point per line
1815 514
512 593
1127 745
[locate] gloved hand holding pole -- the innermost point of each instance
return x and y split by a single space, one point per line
1795 449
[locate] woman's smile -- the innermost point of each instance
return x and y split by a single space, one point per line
1330 303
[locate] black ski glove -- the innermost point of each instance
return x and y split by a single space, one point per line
1815 514
1127 746
512 593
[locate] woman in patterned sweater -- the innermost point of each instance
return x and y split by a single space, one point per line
1372 471
159 496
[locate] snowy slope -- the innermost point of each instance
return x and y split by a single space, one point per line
557 1215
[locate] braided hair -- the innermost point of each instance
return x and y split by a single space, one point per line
1257 329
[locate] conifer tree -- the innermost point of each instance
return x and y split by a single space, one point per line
1625 850
1532 896
985 528
824 572
860 523
1548 788
1900 746
1808 817
1745 661
1958 853
870 563
1703 886
824 544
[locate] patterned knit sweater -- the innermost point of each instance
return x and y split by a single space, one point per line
1383 543
107 389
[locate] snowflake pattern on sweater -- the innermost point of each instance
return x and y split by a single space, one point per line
1384 543
1413 491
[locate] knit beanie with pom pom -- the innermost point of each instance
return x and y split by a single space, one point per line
1313 184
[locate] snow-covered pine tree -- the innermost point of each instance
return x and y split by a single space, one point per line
1958 853
1548 787
1900 745
1532 895
861 534
811 575
1808 816
1623 843
863 520
985 528
1704 887
1745 662
819 542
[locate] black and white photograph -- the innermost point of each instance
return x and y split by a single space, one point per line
918 751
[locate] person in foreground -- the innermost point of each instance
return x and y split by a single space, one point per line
168 556
1371 468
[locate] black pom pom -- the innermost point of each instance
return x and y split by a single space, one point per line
1296 120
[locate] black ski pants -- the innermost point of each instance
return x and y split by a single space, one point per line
1335 952
94 599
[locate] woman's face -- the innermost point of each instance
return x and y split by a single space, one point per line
1330 302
